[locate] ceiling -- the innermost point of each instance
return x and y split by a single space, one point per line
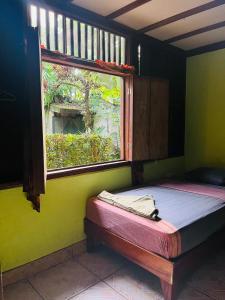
186 24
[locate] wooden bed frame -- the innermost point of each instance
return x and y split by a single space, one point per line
170 272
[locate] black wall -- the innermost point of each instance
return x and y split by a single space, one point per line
12 80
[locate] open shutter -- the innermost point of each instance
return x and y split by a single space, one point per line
34 158
148 136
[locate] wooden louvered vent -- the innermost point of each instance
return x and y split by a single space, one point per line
78 39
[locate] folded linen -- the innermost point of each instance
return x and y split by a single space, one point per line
143 206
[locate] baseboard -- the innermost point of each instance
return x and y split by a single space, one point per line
43 263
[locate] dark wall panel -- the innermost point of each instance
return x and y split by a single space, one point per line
12 81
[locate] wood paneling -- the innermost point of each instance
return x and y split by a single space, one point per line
160 61
141 119
159 119
150 119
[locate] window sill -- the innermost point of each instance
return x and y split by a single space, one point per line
86 169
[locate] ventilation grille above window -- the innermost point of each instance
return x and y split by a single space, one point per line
75 38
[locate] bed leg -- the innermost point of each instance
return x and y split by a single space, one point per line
169 290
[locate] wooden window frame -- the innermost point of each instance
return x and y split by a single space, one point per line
61 59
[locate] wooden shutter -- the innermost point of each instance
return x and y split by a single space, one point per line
34 158
149 110
159 109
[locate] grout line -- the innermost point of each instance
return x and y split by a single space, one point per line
201 292
33 287
85 289
115 290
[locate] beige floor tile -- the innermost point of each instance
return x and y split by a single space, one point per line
100 291
134 283
20 291
63 281
103 263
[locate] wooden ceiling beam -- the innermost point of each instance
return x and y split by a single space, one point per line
207 48
195 32
185 14
125 9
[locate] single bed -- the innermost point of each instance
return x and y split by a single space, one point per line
191 216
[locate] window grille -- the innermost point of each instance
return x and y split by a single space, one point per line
74 38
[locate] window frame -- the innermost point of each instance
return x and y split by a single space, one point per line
61 59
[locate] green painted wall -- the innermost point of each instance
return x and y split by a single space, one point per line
26 235
205 110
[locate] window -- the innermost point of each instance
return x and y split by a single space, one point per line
74 38
83 116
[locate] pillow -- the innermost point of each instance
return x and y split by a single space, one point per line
208 175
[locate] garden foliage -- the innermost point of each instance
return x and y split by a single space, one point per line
69 150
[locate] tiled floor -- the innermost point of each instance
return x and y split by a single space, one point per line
107 276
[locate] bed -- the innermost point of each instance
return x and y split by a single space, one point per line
191 228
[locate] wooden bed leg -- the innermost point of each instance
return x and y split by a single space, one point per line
169 290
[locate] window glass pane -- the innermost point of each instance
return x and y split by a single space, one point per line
112 47
123 49
52 29
117 49
106 47
101 43
43 26
68 36
95 44
89 42
75 34
83 125
82 30
60 33
33 13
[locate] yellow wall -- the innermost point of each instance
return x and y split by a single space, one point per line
26 235
205 110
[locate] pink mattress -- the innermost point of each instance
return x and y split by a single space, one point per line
190 214
159 237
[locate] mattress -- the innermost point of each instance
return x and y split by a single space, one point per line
190 213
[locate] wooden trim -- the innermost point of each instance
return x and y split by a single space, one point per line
59 58
64 34
185 14
195 32
92 43
207 48
86 169
129 118
72 38
125 9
